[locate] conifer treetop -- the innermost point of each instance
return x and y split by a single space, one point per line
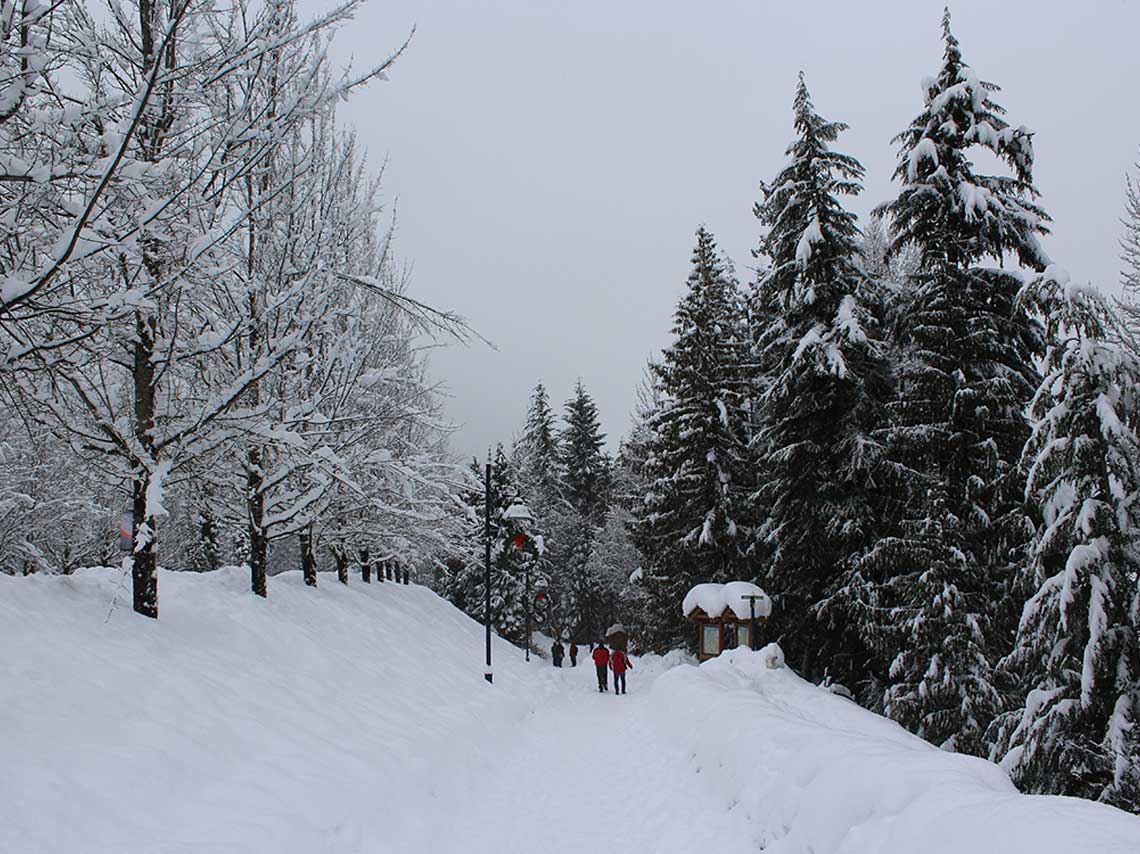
956 216
811 239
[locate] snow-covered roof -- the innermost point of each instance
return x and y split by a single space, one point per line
715 599
518 512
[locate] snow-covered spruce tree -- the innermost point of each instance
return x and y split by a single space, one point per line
585 465
586 475
693 524
466 585
939 584
537 458
1077 656
822 484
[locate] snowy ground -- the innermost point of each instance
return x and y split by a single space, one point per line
357 720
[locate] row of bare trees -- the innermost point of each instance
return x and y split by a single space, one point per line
199 311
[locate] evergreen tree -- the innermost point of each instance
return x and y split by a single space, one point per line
825 398
465 588
940 582
537 456
587 473
1077 656
693 524
584 462
537 460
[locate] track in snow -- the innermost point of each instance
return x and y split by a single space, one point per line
582 773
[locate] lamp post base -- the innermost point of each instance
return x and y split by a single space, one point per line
489 676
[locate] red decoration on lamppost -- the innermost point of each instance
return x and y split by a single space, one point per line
520 541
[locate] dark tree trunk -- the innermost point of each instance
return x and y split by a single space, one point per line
341 557
208 533
365 567
258 542
144 560
308 559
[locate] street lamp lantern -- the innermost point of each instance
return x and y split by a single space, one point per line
519 514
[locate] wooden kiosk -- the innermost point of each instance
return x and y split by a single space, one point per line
724 614
617 637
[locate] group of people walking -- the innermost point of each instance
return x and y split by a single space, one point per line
605 660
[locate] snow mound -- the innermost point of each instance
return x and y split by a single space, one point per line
811 771
311 721
713 599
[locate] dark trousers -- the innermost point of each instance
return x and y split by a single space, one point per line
558 662
603 679
619 678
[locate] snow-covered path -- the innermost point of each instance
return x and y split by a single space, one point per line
584 772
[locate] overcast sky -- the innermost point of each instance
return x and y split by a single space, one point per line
552 161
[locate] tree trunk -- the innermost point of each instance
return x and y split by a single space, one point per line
365 567
144 559
258 542
308 559
208 533
341 557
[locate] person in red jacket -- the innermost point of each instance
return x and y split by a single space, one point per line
619 664
573 654
601 659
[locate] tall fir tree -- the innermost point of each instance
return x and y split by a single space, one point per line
940 582
693 524
827 385
467 582
1077 658
586 476
537 456
584 462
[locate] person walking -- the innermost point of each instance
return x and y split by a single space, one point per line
556 653
619 664
573 654
601 659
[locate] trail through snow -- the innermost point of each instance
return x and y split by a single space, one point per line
586 772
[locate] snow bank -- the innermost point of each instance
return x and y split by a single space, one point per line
327 720
714 598
812 771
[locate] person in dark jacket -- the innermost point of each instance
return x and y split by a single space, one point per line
619 664
573 654
556 653
601 659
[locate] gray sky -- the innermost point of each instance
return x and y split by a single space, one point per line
552 160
